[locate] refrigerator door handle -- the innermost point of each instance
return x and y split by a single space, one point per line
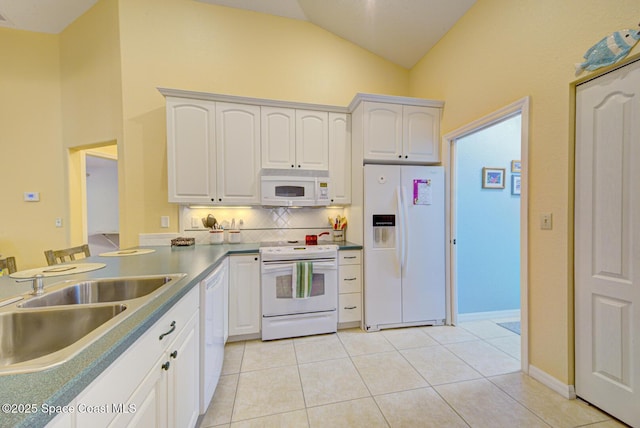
405 229
400 228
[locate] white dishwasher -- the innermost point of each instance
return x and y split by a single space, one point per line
214 330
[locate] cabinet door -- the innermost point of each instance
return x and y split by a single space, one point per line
312 140
238 153
340 158
382 131
184 379
278 137
191 150
421 134
244 295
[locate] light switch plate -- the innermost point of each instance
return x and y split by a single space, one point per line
546 221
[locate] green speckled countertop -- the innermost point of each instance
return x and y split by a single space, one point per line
59 385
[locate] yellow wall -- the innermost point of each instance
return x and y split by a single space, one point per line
190 45
91 99
31 156
499 52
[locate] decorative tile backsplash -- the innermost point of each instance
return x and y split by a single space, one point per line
258 223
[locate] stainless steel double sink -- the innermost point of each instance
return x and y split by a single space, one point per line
39 332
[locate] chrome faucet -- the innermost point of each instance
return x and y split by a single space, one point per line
38 284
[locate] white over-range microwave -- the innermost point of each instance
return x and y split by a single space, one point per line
299 189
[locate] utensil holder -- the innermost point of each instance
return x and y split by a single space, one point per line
216 236
338 234
235 236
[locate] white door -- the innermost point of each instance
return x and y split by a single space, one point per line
382 131
423 271
382 274
312 139
607 242
238 153
421 134
340 158
191 152
278 137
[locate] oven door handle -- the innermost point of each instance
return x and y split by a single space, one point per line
275 267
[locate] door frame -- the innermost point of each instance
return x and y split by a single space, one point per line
518 107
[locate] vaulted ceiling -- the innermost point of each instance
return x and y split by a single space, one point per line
401 31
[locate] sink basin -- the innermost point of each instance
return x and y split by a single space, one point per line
101 291
25 335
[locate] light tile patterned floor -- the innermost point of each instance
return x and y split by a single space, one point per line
465 376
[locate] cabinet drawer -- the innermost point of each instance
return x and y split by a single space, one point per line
350 279
350 257
350 307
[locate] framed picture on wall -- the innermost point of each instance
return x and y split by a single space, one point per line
516 166
493 178
515 184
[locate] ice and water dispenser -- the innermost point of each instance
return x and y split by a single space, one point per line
384 230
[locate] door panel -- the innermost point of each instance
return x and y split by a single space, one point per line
607 247
382 276
423 277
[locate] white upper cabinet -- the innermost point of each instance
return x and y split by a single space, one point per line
191 150
217 145
278 137
421 133
382 131
340 158
294 138
312 140
238 154
400 132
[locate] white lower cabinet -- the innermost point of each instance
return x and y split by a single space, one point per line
349 286
244 295
155 383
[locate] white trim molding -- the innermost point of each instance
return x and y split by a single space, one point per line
567 391
493 315
521 107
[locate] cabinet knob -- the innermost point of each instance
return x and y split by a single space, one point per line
220 199
166 366
405 156
174 354
255 258
298 166
293 166
399 156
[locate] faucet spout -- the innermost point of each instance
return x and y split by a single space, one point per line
38 284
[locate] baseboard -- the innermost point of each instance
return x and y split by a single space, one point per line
479 316
567 391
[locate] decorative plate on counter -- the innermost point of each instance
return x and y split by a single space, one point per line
122 253
57 270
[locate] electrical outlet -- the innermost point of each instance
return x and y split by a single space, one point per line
195 222
58 222
546 221
164 221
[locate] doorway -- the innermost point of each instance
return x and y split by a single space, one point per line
93 197
487 221
102 203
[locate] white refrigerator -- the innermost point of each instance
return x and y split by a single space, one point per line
404 246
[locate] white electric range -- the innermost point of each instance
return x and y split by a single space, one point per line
299 289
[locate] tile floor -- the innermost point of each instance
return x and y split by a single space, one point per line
466 376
